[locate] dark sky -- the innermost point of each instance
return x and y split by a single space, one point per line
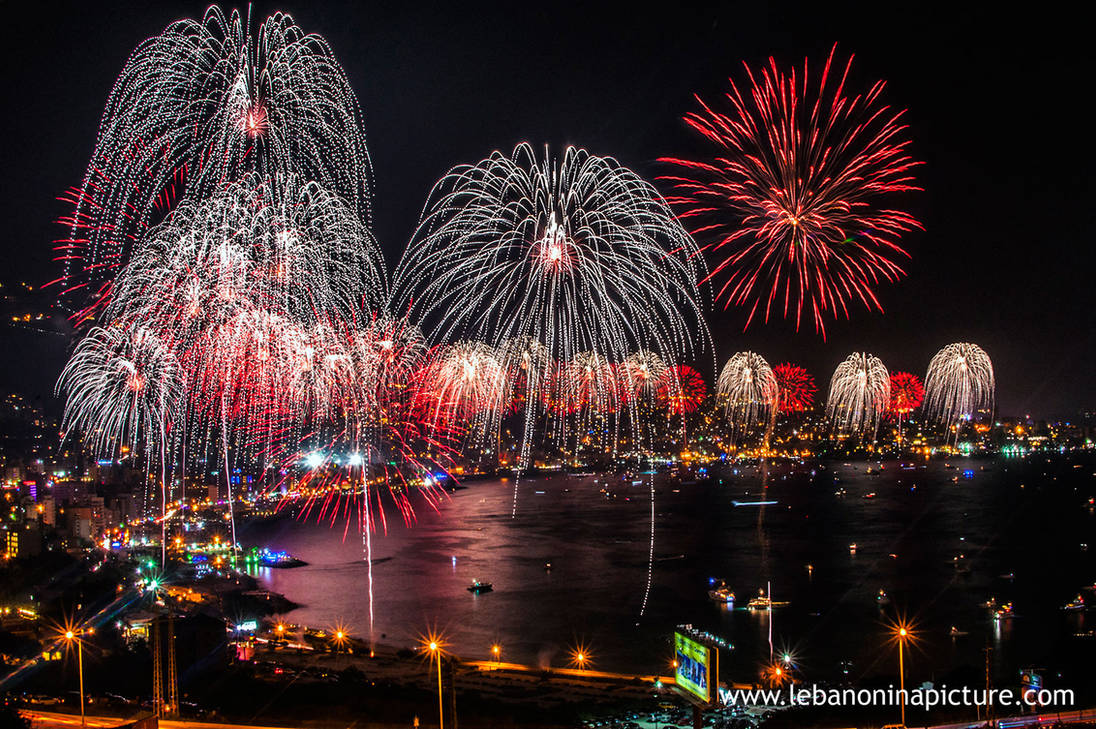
999 110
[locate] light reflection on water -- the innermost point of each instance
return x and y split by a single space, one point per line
598 551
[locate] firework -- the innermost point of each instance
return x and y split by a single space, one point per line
123 386
959 383
799 202
796 387
682 390
578 254
859 394
468 381
198 106
641 375
749 387
906 393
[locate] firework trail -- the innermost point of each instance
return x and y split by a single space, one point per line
859 394
959 383
195 108
796 387
799 201
750 389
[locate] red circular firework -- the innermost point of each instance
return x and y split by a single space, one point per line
682 390
798 202
797 388
907 392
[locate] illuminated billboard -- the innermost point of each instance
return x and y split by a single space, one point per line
694 668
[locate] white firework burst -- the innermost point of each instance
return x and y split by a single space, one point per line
859 394
959 383
202 104
750 388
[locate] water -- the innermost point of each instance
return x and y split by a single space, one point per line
1025 517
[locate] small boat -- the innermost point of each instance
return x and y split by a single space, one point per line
547 566
762 602
1004 612
1008 576
869 495
990 604
881 598
478 587
1077 603
956 633
852 548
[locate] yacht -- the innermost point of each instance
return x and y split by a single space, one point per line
722 593
762 602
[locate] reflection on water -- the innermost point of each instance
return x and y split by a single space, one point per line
1011 516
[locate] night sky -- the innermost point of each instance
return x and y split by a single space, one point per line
998 111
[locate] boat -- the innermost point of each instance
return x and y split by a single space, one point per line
881 598
956 633
1077 603
762 602
722 594
990 604
852 548
547 566
869 495
478 587
1004 612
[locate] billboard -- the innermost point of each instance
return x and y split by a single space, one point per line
694 668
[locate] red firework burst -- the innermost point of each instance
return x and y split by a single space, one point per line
797 388
682 390
798 199
907 392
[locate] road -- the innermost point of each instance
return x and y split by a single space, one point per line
579 673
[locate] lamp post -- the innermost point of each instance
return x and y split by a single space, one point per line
902 633
75 635
496 652
435 652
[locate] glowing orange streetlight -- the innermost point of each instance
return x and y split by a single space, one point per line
339 637
74 634
902 632
496 652
433 646
580 656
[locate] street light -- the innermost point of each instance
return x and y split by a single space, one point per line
901 632
580 656
496 651
70 635
433 646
